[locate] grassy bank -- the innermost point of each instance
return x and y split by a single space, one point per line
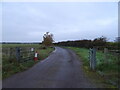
105 73
10 68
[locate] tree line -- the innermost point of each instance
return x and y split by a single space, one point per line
99 43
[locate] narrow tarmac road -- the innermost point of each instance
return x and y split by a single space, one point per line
62 69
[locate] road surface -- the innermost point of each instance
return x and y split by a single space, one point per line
62 69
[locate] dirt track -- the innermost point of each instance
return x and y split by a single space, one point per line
62 69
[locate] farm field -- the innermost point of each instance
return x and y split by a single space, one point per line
11 66
108 72
19 45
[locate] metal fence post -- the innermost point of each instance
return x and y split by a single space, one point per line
90 57
94 59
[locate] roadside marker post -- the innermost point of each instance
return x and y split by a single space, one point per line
32 49
36 56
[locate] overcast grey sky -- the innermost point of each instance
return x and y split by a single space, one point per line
66 21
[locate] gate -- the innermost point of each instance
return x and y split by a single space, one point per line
24 54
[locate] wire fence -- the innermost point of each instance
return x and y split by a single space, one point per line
106 57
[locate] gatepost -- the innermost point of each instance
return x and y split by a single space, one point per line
18 54
92 58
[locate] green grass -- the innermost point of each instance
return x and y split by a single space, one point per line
83 53
109 71
43 53
107 64
10 68
19 45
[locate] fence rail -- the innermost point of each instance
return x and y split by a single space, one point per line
19 54
106 58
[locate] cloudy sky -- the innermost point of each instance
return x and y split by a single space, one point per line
28 21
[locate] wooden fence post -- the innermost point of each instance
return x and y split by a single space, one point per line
10 54
18 54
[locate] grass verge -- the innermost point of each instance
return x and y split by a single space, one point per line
107 75
10 68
